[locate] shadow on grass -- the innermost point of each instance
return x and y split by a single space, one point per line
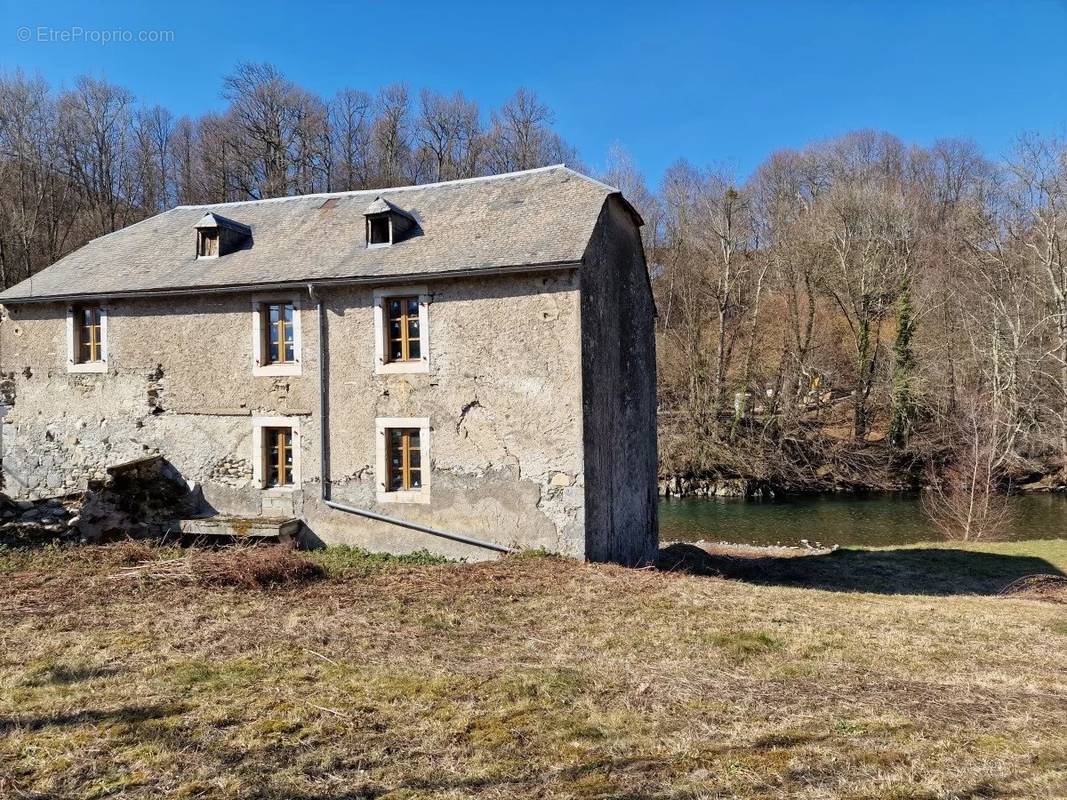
923 571
133 714
62 675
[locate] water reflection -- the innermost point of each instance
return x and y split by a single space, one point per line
876 520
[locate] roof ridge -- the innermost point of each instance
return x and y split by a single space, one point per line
349 193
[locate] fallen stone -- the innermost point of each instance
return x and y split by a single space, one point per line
561 479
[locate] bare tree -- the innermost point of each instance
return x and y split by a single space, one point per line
391 136
521 136
95 120
965 498
350 124
449 135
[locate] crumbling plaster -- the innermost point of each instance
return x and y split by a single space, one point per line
503 394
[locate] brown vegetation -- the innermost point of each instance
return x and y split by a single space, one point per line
530 677
849 299
818 324
242 567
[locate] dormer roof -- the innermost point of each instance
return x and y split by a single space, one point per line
213 220
380 205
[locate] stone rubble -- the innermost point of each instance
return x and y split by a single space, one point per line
144 498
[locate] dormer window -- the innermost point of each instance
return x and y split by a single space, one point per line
387 224
217 235
207 243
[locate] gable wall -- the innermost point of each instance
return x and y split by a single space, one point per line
619 394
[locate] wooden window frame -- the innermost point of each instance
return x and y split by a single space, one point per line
405 482
262 366
405 319
382 364
387 492
262 429
205 235
278 457
286 331
97 357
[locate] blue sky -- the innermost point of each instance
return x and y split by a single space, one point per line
719 83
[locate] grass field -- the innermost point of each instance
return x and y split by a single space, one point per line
536 677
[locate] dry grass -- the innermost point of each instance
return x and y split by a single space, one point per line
532 677
244 567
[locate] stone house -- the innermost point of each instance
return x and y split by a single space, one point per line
464 367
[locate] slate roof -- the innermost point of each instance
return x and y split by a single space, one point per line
536 217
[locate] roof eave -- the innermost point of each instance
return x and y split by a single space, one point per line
355 280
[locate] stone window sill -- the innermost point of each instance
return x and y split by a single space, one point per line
417 496
422 366
93 367
275 370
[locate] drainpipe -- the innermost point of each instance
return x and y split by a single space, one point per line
324 451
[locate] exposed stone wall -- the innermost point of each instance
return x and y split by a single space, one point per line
232 471
178 383
502 394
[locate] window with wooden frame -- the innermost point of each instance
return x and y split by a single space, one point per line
404 459
88 335
277 457
279 333
402 329
207 243
276 339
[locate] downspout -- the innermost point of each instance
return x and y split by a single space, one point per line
324 451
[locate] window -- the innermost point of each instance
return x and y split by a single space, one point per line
87 338
281 344
401 318
402 460
207 243
405 460
278 450
89 346
378 230
276 335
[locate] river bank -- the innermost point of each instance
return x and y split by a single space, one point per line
823 482
845 519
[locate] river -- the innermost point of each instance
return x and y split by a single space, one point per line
874 520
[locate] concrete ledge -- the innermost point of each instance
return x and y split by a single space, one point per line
241 527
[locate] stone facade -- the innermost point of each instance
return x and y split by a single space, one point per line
503 394
536 398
